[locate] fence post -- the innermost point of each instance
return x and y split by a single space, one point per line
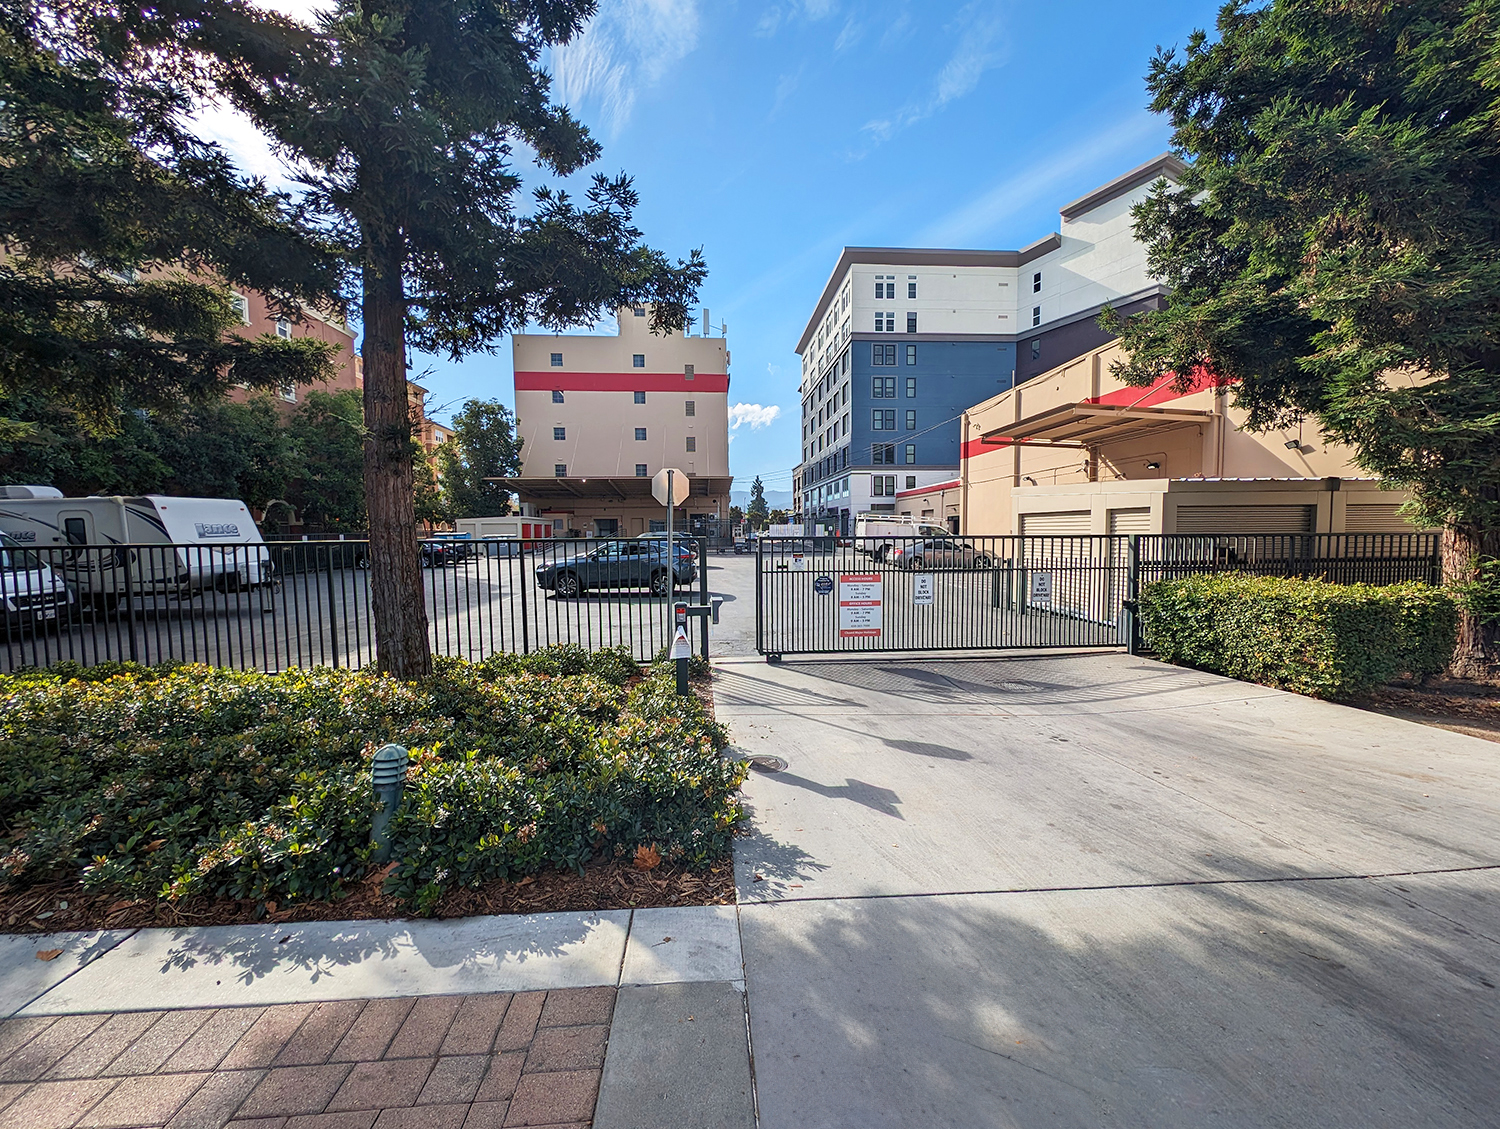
520 559
333 619
703 592
129 599
1132 594
760 627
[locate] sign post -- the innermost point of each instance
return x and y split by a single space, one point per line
669 486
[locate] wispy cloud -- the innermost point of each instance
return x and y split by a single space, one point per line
629 46
753 414
776 15
982 216
980 44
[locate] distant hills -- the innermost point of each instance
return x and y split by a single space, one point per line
776 499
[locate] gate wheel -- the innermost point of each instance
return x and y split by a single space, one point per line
773 658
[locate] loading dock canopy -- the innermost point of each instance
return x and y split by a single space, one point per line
603 488
1093 425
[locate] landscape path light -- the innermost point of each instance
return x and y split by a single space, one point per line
388 774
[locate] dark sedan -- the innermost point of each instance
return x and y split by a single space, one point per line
619 564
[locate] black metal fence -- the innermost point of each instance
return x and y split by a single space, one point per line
307 603
833 596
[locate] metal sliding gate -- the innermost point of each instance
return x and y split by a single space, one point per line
866 595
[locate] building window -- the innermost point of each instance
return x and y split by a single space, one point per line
283 329
687 372
911 388
692 442
557 396
911 354
911 420
885 419
639 311
911 286
640 397
289 393
640 435
1036 350
557 360
241 306
885 286
559 433
638 360
640 470
559 470
1036 315
690 408
883 485
883 453
1036 283
882 355
911 455
882 387
911 321
911 482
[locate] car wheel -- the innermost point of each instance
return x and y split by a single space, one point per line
659 585
879 553
982 561
917 564
566 586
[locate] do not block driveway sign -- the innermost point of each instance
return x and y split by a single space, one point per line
859 605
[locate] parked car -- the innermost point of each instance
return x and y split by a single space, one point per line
32 594
618 564
938 552
686 545
436 554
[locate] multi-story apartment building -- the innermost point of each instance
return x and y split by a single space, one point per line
257 318
600 415
903 340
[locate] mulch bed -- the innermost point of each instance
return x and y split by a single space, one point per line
604 884
1466 707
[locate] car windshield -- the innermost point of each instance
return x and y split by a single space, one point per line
13 558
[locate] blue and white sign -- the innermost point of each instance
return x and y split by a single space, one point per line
823 585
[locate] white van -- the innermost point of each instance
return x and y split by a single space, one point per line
875 533
31 594
214 542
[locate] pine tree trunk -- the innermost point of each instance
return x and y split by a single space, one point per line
395 561
1477 655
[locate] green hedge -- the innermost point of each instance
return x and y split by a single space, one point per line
180 780
1326 640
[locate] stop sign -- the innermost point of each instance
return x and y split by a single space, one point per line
678 488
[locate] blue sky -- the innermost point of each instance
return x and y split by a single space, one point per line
773 134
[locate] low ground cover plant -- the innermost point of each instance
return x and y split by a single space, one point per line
1326 640
183 780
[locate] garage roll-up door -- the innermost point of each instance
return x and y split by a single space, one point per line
1122 522
1073 523
1245 519
1377 517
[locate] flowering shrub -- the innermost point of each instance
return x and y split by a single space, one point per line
1325 640
180 780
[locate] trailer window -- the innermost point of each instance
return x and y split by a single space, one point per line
75 531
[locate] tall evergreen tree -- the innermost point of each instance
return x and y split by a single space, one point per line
1333 251
122 233
400 117
759 511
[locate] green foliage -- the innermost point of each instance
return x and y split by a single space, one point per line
1481 594
123 233
484 445
759 511
1337 230
327 482
182 779
1325 640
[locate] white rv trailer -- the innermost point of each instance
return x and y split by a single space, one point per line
105 545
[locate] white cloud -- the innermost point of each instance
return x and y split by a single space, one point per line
629 46
971 223
753 414
979 30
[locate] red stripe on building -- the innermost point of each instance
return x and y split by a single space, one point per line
558 380
952 485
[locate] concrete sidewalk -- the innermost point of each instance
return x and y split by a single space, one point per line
480 1022
1097 890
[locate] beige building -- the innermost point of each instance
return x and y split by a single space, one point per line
600 415
1075 451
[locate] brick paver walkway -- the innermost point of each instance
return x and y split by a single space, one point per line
436 1062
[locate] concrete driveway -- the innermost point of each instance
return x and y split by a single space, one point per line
1097 890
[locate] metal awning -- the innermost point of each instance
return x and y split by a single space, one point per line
606 488
1093 425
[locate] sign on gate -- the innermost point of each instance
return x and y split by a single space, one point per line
1041 589
823 586
921 588
859 605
